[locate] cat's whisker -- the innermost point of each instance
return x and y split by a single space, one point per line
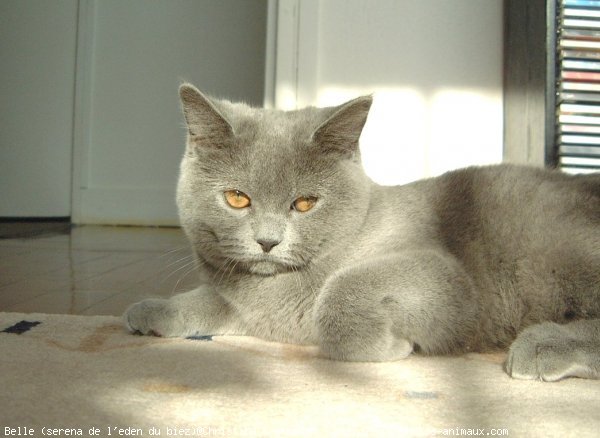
226 267
187 265
174 290
220 270
177 248
176 262
297 278
232 269
174 250
200 263
309 279
311 286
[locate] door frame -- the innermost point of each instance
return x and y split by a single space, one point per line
292 61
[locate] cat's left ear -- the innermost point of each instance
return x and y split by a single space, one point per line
342 129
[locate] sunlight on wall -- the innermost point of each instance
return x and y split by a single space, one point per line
465 129
285 97
411 135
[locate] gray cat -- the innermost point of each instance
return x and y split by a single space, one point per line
301 247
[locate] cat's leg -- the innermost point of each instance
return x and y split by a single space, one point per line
379 310
198 312
550 351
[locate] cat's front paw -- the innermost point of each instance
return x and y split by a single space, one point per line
545 352
154 317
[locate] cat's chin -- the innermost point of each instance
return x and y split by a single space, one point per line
266 268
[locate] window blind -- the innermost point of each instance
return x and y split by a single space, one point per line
578 86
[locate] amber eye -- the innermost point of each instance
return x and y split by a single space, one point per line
303 204
237 199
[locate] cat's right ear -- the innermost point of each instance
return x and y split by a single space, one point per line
207 127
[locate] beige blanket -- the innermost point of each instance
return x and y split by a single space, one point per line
62 374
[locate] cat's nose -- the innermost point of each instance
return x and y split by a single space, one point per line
267 245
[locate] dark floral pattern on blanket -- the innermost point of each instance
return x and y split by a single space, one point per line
21 327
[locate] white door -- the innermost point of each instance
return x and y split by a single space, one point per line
130 134
37 76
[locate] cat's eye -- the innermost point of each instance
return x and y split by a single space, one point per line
303 204
237 199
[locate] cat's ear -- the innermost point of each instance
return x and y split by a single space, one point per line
342 129
206 125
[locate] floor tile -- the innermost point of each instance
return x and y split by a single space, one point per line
10 251
94 270
25 290
41 261
61 241
104 264
127 238
58 302
117 304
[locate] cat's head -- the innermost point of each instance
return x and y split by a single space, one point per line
266 191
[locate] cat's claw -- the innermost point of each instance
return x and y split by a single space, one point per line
154 317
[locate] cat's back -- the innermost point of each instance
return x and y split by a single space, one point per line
509 209
508 198
481 202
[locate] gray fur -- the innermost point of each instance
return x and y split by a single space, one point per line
467 261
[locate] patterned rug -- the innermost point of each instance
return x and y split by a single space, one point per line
73 375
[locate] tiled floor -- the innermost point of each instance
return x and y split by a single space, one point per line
93 270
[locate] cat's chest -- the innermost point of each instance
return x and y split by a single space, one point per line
277 307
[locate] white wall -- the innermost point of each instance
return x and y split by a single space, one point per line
434 66
130 133
37 76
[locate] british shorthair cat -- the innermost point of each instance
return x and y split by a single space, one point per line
303 247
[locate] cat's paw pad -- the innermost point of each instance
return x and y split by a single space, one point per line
543 352
153 317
